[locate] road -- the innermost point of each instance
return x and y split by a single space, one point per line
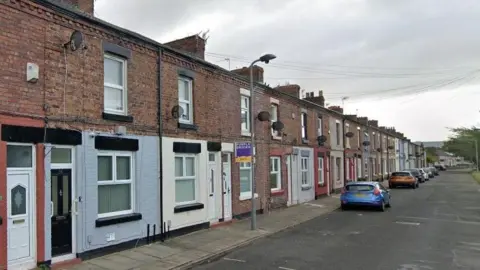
434 227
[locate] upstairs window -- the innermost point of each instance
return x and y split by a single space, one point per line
114 84
185 99
245 114
304 126
274 118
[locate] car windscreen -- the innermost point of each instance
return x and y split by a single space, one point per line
356 188
401 174
415 172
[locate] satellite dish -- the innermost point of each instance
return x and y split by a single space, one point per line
263 116
277 126
177 111
76 40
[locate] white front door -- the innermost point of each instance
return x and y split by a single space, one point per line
20 226
227 187
321 176
212 182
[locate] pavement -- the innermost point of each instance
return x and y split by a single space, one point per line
436 226
187 251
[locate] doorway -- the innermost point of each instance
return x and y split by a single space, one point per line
21 227
61 212
212 183
62 203
227 186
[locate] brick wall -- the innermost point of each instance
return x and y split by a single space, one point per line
71 92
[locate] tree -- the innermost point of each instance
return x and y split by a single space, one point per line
462 142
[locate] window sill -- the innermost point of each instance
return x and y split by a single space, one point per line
187 126
188 207
277 192
278 138
246 134
306 187
305 141
117 117
321 184
107 221
247 197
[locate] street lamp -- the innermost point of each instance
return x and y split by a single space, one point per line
265 59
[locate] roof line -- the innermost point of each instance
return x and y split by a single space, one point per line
68 11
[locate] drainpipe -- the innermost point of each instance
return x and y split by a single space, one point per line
160 132
344 153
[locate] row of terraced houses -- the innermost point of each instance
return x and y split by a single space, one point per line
97 154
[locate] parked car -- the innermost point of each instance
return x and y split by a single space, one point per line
403 178
417 174
424 173
429 171
435 171
365 194
441 167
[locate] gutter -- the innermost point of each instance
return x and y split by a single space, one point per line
160 141
344 153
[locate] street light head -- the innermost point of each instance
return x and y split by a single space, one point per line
267 57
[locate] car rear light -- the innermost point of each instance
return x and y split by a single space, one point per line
376 191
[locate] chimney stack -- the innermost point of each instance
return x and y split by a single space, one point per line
245 72
319 100
291 89
336 108
363 120
351 117
194 45
85 6
373 123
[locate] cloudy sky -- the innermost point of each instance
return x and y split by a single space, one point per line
412 64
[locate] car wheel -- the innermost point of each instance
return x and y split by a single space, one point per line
391 186
388 205
414 186
382 207
343 207
417 185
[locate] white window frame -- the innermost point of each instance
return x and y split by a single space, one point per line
304 170
347 129
359 133
189 82
114 181
123 87
273 119
245 195
303 120
247 109
373 141
277 173
319 126
338 132
180 178
321 175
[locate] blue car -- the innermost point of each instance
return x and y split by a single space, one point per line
365 194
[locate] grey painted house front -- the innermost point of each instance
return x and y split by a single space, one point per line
114 194
303 189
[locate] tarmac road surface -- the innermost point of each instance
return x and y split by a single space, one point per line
436 226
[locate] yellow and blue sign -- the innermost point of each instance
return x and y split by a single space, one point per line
243 152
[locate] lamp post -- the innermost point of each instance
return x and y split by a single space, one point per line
266 59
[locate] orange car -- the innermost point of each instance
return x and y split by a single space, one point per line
404 178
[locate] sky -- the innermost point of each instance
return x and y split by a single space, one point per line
410 64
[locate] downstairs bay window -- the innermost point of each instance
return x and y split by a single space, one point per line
115 183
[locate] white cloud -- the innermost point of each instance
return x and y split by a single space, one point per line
353 48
